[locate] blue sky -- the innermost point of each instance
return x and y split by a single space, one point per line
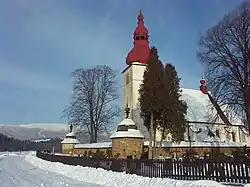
43 41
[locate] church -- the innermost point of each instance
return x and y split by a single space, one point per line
130 140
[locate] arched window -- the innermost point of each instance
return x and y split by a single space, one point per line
233 136
122 128
217 132
127 78
132 127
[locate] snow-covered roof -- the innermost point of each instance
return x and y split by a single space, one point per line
200 107
200 144
165 144
203 136
131 133
127 121
95 145
212 139
70 141
70 134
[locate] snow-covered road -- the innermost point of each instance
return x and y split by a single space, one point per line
16 172
26 170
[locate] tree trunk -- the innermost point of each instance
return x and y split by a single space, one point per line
151 129
154 148
248 116
95 136
92 134
160 146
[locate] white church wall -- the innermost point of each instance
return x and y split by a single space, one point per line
127 89
131 88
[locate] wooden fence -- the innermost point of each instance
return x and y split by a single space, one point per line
226 171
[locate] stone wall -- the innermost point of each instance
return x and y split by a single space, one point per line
180 151
124 147
90 151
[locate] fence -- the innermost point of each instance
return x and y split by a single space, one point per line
226 171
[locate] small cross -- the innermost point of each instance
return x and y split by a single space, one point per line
127 111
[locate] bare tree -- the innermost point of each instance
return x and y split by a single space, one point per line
225 52
92 105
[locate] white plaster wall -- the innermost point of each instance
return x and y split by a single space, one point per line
137 77
127 90
131 94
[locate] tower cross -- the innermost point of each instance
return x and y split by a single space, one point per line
127 111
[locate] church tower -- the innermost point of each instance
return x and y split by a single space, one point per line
133 74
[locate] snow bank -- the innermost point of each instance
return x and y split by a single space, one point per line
109 178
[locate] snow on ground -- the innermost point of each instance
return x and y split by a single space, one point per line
16 172
26 170
112 179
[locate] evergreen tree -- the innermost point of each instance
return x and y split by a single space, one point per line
150 94
174 109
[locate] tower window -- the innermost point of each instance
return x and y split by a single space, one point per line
233 136
122 128
143 37
137 37
133 127
217 132
127 78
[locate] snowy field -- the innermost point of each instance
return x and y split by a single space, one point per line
26 170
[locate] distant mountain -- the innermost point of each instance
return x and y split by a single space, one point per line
42 132
199 107
35 131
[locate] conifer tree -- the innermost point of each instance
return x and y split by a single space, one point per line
174 108
150 94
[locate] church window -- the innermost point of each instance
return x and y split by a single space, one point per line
133 127
127 78
217 132
233 136
243 137
122 128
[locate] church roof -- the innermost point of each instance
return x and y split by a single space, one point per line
70 141
127 129
140 29
95 145
70 137
140 51
130 133
70 134
127 121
